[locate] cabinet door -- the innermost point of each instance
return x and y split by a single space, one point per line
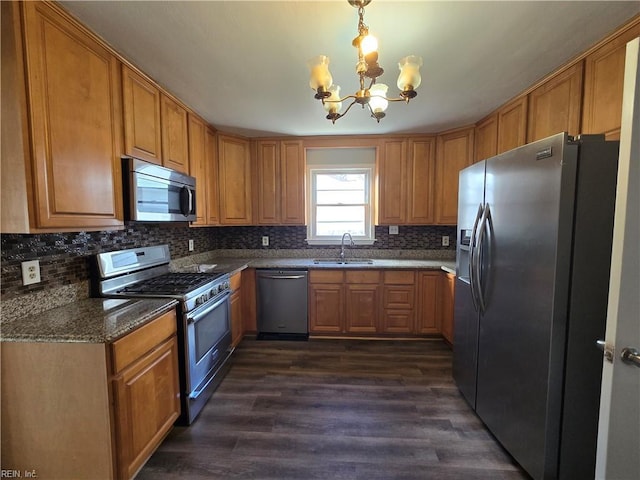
392 181
74 92
292 201
147 402
603 82
398 312
141 109
447 299
326 306
454 152
362 307
175 137
486 138
234 169
554 107
236 317
211 169
512 125
248 280
267 187
198 160
421 181
428 320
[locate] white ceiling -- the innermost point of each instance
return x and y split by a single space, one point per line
242 64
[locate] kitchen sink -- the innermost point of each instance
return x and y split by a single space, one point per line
346 261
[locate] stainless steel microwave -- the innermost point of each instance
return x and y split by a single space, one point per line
157 194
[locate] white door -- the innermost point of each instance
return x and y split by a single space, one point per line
618 454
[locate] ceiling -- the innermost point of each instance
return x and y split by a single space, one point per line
242 64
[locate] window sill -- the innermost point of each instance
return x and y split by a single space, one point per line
338 242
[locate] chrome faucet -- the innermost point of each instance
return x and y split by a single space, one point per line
342 244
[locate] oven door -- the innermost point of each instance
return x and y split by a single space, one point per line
208 340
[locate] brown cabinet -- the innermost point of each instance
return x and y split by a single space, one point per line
211 173
326 301
454 151
428 318
554 106
234 180
362 301
407 181
72 171
603 82
447 297
237 326
175 137
512 125
91 410
198 166
141 113
398 301
249 307
486 138
279 183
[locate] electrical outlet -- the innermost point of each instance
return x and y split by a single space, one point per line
393 229
265 241
31 272
191 245
445 240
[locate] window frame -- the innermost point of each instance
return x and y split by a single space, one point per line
312 171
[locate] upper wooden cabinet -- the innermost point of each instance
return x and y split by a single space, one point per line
603 82
141 109
454 152
234 180
198 162
175 137
512 125
406 179
486 138
211 174
279 183
72 173
554 106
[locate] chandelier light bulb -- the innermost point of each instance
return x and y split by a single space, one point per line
320 75
369 44
378 102
331 105
409 78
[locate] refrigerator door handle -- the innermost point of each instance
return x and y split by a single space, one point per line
486 216
472 250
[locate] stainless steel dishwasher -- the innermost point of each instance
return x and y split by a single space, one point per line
282 304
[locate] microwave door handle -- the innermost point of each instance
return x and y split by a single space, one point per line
186 201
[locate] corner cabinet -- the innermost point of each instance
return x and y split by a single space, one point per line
454 151
234 180
198 166
73 86
279 183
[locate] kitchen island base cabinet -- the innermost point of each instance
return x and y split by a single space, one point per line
89 410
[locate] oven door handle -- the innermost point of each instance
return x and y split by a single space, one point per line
195 315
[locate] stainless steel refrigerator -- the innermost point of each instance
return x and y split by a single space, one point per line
533 257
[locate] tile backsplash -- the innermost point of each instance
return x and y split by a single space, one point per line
64 257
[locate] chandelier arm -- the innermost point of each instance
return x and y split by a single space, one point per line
350 105
340 100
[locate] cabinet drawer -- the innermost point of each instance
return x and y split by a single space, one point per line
399 277
399 297
140 341
235 282
363 276
326 276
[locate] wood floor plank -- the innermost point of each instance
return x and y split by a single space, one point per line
335 409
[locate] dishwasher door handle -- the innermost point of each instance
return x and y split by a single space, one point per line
283 277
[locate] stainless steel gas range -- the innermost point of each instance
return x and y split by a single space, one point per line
204 333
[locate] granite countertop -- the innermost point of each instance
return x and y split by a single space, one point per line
92 320
235 265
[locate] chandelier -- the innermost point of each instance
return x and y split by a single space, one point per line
375 95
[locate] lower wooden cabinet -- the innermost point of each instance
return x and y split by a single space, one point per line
326 301
428 321
90 410
237 327
398 301
447 297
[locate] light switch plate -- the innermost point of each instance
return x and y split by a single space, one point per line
191 245
393 229
445 240
31 272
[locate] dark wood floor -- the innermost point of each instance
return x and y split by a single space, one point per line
335 409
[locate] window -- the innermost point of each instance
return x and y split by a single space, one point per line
340 198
